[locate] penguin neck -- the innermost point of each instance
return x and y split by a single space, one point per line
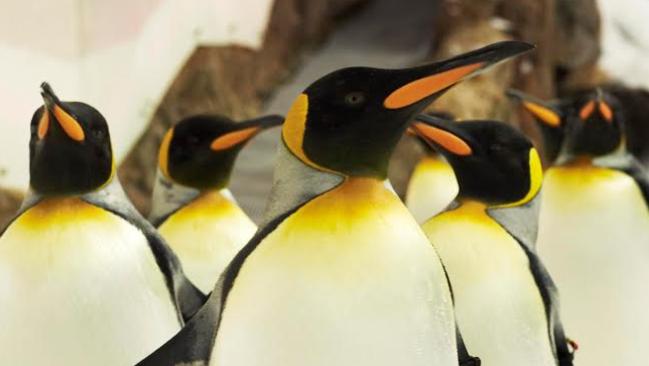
295 183
169 197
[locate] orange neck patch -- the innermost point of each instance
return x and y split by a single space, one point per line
43 124
606 111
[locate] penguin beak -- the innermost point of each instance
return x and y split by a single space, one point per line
429 81
443 135
246 131
68 124
539 109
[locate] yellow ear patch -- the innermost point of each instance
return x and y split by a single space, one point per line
43 124
71 127
536 179
233 138
163 154
445 139
293 130
587 110
606 111
419 89
546 115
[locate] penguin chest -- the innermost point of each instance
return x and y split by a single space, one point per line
79 286
348 279
431 188
594 238
498 305
205 235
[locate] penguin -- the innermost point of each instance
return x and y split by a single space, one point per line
432 185
549 116
594 233
340 273
191 206
506 303
85 280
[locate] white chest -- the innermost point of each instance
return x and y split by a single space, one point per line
498 305
340 283
79 286
594 237
206 234
431 189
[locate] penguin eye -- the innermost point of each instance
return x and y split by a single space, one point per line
354 98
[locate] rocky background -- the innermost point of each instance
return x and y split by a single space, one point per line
238 82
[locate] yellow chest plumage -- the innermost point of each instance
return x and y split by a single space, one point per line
205 235
594 238
498 305
348 279
79 286
431 188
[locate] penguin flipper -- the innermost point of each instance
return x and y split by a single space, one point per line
550 296
193 344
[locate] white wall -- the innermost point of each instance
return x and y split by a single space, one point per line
119 56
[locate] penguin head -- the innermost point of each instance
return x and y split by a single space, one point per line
70 150
200 151
348 122
493 162
595 126
549 116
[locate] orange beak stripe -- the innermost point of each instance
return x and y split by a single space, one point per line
443 138
419 89
233 138
606 111
71 127
546 115
43 124
587 110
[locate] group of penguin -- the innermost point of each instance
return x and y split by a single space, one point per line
339 271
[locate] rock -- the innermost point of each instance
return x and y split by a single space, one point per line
231 80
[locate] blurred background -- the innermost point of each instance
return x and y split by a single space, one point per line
145 64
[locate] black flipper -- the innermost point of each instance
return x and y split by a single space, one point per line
195 341
463 356
550 296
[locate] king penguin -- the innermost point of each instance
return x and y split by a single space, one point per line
506 303
432 185
594 233
84 279
192 207
340 273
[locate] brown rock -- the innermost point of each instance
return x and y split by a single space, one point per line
231 80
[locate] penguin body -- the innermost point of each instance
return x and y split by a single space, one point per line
594 236
431 188
496 295
72 296
86 280
319 258
344 292
192 207
594 232
505 301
